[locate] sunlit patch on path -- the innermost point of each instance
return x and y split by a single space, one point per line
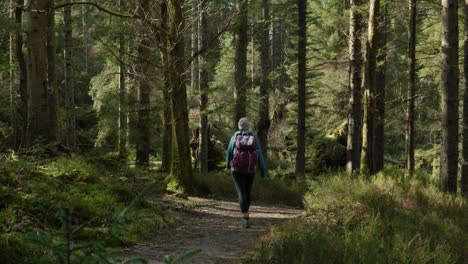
213 226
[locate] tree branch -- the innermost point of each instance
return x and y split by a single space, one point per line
100 8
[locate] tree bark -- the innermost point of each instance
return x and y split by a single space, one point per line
40 58
464 174
22 104
301 87
204 137
173 48
240 61
381 43
354 139
449 94
69 91
195 29
410 133
263 125
144 70
368 154
13 120
123 109
51 76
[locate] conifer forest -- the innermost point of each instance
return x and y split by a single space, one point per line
233 131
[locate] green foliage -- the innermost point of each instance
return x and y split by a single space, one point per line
378 221
36 193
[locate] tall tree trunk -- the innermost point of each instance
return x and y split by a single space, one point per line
353 153
301 87
40 125
240 61
173 21
449 86
13 121
410 133
84 25
123 109
195 29
379 133
51 77
368 155
22 104
464 175
277 54
69 91
263 125
163 38
144 70
204 136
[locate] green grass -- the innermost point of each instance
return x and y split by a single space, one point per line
384 220
34 192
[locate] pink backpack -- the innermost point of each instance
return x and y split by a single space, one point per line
245 153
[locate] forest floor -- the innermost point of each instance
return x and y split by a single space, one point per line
213 226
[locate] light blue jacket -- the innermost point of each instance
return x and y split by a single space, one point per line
230 153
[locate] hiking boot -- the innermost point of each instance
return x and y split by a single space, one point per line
245 223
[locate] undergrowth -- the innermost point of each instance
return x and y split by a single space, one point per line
270 190
383 220
93 189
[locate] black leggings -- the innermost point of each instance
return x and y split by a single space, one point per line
243 184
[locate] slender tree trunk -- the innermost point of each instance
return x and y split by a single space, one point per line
167 124
410 133
381 46
123 110
22 105
301 87
51 78
204 136
240 61
464 176
144 70
40 125
84 25
449 86
263 125
370 114
69 91
355 80
13 121
277 53
194 80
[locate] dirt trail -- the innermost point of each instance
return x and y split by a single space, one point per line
215 227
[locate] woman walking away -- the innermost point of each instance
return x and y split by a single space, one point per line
242 157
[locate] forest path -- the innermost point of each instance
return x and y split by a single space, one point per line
214 227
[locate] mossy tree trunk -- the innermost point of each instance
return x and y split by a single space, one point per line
379 133
68 87
41 123
144 71
449 93
354 138
368 149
